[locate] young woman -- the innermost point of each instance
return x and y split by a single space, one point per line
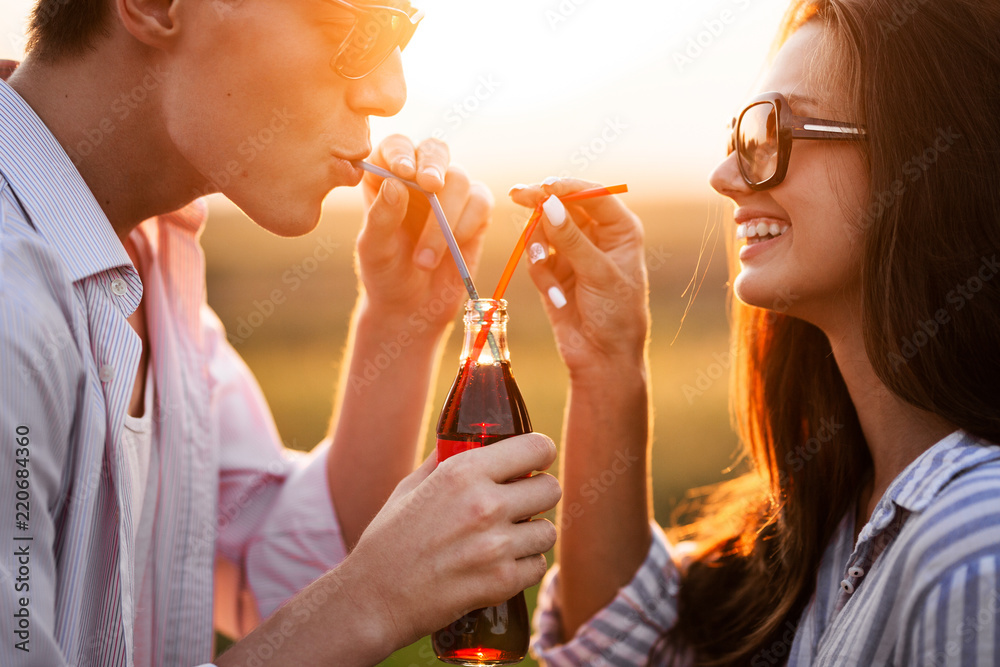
866 180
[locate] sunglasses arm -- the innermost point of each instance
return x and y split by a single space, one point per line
805 127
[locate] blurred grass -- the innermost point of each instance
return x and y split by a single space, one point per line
294 343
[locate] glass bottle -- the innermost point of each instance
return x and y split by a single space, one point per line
483 406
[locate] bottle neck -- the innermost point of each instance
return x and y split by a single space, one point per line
481 316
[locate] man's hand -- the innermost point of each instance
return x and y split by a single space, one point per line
403 260
450 539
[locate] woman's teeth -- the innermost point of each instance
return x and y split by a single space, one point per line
755 232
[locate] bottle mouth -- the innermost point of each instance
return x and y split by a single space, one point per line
481 311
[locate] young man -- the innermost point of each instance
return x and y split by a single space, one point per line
137 447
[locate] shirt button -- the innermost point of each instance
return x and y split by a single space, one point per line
119 287
107 373
856 572
847 586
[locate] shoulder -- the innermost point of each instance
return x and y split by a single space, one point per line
956 531
967 506
27 259
948 593
37 299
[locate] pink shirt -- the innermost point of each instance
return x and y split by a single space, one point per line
220 483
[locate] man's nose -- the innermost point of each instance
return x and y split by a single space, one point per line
381 93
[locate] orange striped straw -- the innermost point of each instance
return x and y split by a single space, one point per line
529 228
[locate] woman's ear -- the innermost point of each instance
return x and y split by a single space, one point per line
152 22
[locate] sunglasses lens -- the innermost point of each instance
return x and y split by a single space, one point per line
373 38
757 142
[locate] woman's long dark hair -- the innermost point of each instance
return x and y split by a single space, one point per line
924 78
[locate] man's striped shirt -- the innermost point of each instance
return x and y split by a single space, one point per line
221 485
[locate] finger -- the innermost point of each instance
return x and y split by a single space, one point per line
532 537
588 261
530 570
417 215
528 496
431 246
476 215
377 240
415 478
513 457
537 247
532 195
555 293
527 195
398 154
555 263
433 157
604 211
557 185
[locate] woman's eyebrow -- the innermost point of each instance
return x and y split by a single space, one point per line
798 100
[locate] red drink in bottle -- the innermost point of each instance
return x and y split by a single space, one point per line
483 406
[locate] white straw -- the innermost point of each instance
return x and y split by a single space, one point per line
449 237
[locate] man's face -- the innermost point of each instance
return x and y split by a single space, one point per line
252 102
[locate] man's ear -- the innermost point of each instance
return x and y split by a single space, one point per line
152 22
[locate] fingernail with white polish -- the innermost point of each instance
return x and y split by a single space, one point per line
536 253
435 172
556 297
406 163
517 186
551 180
554 210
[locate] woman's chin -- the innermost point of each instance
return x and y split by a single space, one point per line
752 291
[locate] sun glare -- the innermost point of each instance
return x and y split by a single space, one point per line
607 90
628 90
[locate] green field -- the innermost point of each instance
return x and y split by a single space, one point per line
295 350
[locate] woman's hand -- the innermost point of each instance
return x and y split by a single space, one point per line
593 276
600 316
403 260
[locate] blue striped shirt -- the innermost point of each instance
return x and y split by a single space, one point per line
919 588
223 488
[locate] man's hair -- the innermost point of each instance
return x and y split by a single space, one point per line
62 28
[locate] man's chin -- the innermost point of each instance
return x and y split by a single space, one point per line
294 217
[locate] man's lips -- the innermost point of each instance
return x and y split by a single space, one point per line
351 155
352 174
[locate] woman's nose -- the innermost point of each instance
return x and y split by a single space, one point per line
727 180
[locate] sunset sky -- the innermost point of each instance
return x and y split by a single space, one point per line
610 90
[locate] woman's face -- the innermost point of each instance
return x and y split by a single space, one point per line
812 270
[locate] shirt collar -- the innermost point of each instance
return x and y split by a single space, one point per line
922 480
55 197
